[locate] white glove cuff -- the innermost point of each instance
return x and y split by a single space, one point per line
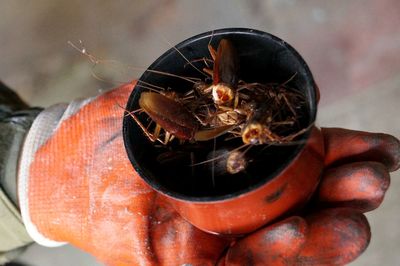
45 124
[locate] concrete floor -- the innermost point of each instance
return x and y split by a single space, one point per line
352 47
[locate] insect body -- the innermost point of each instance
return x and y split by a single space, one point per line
225 72
172 116
225 161
236 162
169 114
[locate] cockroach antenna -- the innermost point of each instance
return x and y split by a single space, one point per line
82 49
184 57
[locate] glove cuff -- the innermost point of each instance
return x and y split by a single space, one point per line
36 137
41 130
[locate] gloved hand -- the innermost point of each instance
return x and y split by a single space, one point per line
79 187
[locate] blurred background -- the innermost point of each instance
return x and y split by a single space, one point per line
352 48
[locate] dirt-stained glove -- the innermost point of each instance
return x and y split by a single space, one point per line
77 185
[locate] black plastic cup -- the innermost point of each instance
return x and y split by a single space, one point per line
171 170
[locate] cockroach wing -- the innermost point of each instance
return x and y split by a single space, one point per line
226 65
172 116
208 134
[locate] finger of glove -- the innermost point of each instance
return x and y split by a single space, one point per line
360 185
335 237
278 244
176 242
344 146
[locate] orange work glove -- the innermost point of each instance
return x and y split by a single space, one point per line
78 186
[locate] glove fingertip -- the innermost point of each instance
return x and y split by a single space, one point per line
360 185
394 145
345 146
336 237
278 244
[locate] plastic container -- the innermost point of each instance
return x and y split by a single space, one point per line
280 180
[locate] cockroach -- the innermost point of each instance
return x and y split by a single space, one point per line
256 133
169 114
224 161
275 110
223 90
236 162
173 117
224 74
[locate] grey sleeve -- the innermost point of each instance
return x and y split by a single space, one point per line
15 120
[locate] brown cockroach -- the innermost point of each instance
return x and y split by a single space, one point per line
225 72
226 161
229 162
256 133
168 114
236 162
223 90
171 115
266 124
262 121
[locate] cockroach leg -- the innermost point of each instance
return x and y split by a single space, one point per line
289 105
289 80
213 164
208 71
212 52
300 132
282 123
192 160
204 60
187 60
150 86
168 138
150 136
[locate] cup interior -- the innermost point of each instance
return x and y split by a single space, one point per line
182 171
